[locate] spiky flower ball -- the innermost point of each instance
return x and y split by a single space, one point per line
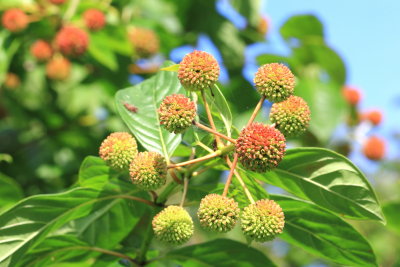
198 70
176 113
218 213
57 2
58 68
118 150
41 50
260 147
262 220
15 20
274 81
148 170
291 117
263 26
352 95
12 81
373 116
374 148
173 225
94 19
72 41
144 41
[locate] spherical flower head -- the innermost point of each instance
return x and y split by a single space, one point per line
352 95
12 81
58 68
144 41
260 147
263 220
148 170
176 113
118 150
72 41
94 19
263 26
374 148
291 117
274 81
373 116
173 225
41 50
218 213
15 20
198 70
57 2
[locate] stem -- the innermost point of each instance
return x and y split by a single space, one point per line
185 189
162 197
206 148
195 173
242 183
174 176
205 128
256 110
71 9
145 201
141 255
232 169
210 118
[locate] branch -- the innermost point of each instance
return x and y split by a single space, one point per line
242 183
256 110
210 118
205 128
232 169
145 201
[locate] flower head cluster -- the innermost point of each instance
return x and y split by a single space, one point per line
12 81
148 170
173 225
58 68
274 81
15 20
176 113
352 95
198 70
118 150
218 213
144 41
374 148
262 220
260 147
72 41
291 116
41 50
94 19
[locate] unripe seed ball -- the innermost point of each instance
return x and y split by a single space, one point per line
144 41
291 117
262 220
12 81
94 19
198 70
176 113
260 147
274 81
218 213
148 170
374 148
15 20
118 150
41 50
58 68
72 41
173 225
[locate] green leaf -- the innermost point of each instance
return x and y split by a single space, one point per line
93 173
29 222
219 103
10 192
328 179
324 234
223 252
99 50
391 211
249 9
173 68
303 28
147 97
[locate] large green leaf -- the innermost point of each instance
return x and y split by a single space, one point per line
147 97
10 192
29 222
249 9
328 179
219 252
391 211
303 28
324 234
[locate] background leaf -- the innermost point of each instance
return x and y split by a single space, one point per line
328 179
147 97
10 192
392 214
324 234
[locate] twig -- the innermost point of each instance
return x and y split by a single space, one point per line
174 176
201 144
210 118
242 183
71 9
185 189
205 128
232 169
145 201
256 110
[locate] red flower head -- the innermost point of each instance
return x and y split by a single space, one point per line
144 41
374 116
374 148
72 41
94 19
41 50
15 20
12 81
58 68
352 95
